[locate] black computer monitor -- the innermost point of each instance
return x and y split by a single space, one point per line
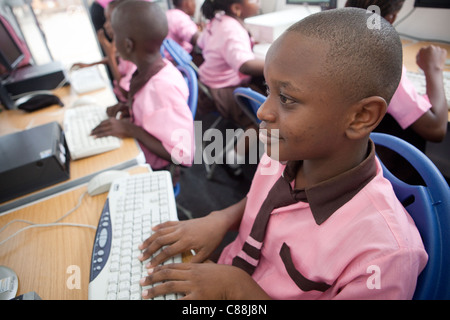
324 4
10 53
432 3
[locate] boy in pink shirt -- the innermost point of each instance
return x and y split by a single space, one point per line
121 70
182 29
320 221
157 100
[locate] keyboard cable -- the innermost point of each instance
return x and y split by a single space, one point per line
51 224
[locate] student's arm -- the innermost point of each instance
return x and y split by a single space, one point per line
203 235
111 57
253 67
80 65
123 128
432 125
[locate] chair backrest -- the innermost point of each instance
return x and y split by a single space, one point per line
191 80
429 206
179 55
250 101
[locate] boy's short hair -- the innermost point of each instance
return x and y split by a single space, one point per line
364 59
145 21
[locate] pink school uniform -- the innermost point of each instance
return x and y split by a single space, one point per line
103 3
126 70
181 28
350 238
225 45
160 108
407 105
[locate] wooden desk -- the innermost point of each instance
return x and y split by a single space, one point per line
81 170
48 260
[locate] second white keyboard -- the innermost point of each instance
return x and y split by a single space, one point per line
78 124
419 82
134 205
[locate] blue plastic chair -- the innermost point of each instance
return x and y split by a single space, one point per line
178 54
191 81
429 206
250 101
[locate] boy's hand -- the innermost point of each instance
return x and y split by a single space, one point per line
175 237
112 127
108 46
431 59
199 281
115 109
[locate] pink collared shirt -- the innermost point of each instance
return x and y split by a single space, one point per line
103 3
407 105
161 109
126 69
226 45
369 248
181 28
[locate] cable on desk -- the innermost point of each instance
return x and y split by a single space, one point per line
51 224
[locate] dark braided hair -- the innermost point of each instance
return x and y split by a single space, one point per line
386 6
210 7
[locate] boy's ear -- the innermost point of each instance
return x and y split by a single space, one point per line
129 45
236 9
366 114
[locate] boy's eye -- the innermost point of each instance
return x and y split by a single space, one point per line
285 100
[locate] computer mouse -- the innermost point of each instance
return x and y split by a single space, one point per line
9 283
38 101
102 181
84 100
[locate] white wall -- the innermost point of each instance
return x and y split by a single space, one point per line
425 23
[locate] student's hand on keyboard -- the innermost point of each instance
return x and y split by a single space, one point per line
115 109
200 281
112 127
177 237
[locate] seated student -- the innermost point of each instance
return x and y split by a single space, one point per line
182 29
157 100
323 223
121 69
412 117
229 62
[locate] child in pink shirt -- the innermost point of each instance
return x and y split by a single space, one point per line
410 116
182 29
229 62
157 100
121 70
320 221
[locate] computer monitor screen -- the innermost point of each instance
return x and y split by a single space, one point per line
324 4
432 3
10 53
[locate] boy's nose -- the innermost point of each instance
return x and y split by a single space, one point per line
264 113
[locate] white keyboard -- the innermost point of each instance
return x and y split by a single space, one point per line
86 80
419 82
78 124
134 205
